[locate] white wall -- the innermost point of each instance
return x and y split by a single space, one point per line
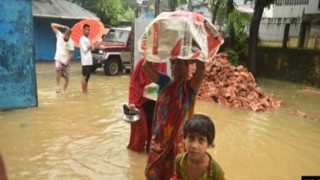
287 11
284 11
312 8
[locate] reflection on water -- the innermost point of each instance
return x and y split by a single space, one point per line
75 136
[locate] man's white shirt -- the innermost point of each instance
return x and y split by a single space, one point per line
85 52
63 48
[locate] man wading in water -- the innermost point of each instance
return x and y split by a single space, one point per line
63 56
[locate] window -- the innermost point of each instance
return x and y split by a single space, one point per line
292 2
116 35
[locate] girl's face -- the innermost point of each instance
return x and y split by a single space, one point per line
178 68
196 146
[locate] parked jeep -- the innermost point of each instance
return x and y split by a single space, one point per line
113 53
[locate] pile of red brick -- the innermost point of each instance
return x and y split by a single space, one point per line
234 87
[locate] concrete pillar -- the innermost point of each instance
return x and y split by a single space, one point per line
17 67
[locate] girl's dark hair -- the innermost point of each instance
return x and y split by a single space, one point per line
201 124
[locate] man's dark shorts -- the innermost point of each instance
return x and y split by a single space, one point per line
86 71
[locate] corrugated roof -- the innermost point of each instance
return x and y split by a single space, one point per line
60 9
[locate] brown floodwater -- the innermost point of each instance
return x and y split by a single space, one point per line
76 136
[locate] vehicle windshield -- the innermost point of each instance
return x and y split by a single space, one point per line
116 35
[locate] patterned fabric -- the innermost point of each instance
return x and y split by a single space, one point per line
140 133
180 34
214 171
174 103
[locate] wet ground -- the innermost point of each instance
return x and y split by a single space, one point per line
76 136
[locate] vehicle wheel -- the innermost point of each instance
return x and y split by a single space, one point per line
112 67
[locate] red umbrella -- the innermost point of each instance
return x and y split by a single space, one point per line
96 30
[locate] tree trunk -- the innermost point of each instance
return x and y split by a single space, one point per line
215 11
253 36
286 36
230 8
302 35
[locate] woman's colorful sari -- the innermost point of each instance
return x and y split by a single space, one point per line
140 133
174 102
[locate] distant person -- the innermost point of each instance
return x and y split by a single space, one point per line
196 162
63 56
3 174
86 57
141 130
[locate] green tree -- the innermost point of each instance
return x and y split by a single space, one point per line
128 4
178 2
236 30
128 15
215 5
225 7
254 30
109 11
232 27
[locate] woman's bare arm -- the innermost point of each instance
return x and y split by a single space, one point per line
198 76
150 71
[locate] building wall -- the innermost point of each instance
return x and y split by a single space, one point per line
272 29
285 10
17 68
292 8
313 7
283 64
45 40
293 13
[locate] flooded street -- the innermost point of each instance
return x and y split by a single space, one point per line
76 136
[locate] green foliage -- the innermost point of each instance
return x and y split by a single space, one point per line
128 4
220 20
179 2
109 11
233 57
128 15
236 23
